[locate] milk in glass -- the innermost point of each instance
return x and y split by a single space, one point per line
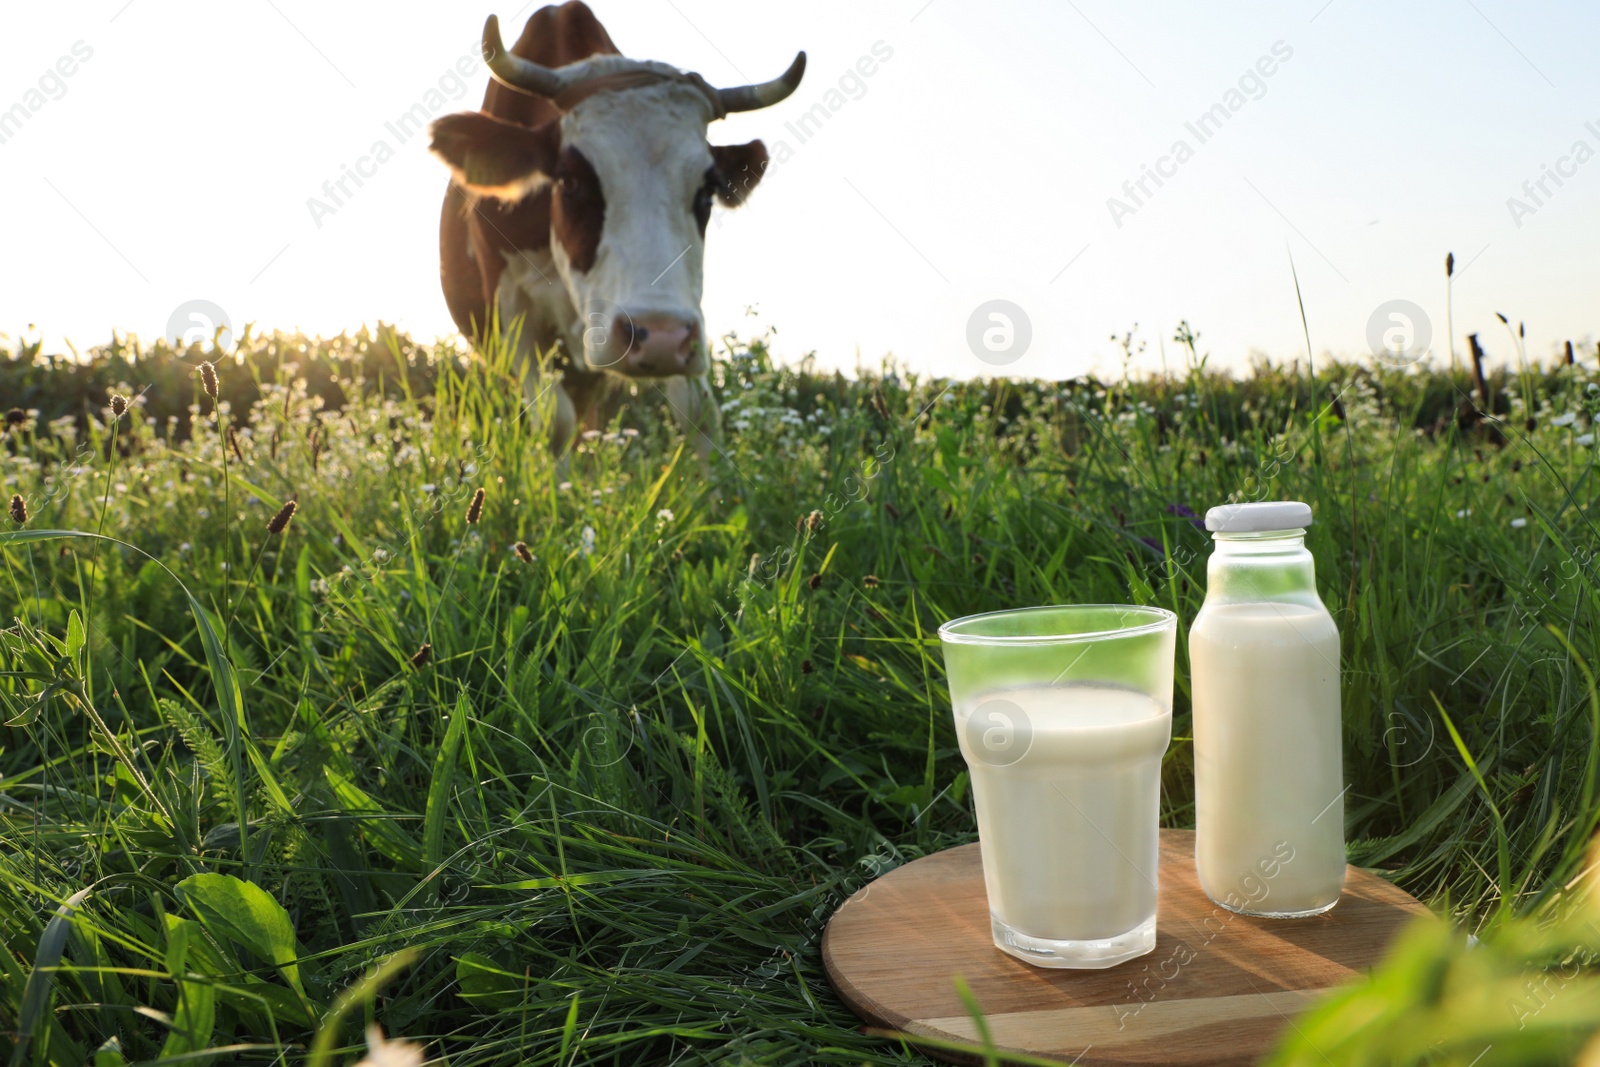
1063 713
1068 831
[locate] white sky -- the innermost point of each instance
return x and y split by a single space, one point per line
177 160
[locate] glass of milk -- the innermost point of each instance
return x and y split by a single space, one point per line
1264 668
1063 714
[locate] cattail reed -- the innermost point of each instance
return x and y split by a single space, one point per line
894 512
475 509
806 666
19 509
277 436
1569 353
870 581
119 405
16 417
816 581
233 443
522 551
420 658
1449 264
208 379
280 521
316 448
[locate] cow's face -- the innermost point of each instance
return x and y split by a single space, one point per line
632 182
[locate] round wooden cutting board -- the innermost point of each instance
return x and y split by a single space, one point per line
1218 988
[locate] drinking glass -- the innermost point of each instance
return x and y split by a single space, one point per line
1063 714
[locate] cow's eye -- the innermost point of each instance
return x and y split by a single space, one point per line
702 204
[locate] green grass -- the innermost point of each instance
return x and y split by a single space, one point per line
608 817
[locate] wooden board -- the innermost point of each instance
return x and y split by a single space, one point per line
1218 988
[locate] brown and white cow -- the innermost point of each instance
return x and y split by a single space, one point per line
578 206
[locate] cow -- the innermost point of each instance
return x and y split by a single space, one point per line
576 213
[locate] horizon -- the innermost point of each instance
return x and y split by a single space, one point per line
1176 369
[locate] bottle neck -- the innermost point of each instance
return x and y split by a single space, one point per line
1273 567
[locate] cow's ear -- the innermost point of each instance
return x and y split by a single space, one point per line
739 170
492 157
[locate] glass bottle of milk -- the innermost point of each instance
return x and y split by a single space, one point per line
1264 668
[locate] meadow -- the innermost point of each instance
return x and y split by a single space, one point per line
570 765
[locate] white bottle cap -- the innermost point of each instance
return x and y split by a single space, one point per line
1259 518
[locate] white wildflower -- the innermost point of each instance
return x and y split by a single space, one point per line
665 515
384 1053
1517 524
380 554
1585 439
1463 513
1564 420
587 548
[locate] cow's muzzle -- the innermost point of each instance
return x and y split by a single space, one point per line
652 345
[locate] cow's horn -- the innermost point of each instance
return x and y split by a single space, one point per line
751 97
517 73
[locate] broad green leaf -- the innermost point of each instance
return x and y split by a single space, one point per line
236 910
